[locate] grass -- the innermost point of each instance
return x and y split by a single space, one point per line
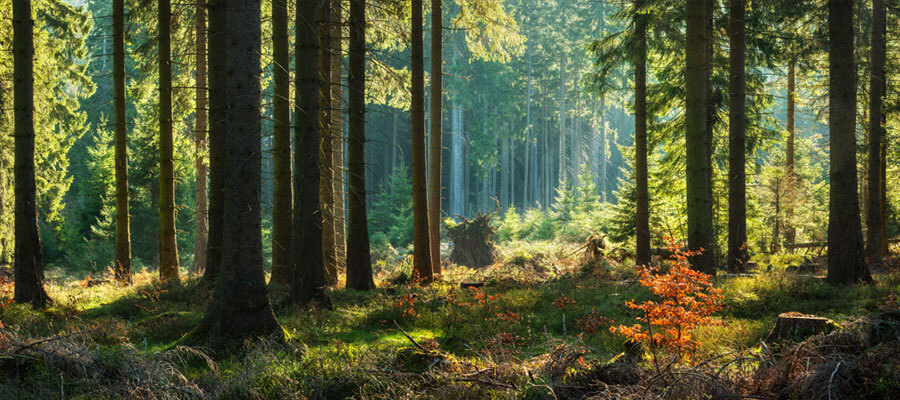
533 303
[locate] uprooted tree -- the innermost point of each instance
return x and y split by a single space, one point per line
472 241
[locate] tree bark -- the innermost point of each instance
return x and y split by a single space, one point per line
737 143
359 262
337 136
308 263
122 268
790 231
422 268
642 249
29 264
217 113
282 213
168 250
240 305
699 205
876 99
846 257
563 172
437 93
327 157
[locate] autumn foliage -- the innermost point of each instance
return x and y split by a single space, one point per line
686 301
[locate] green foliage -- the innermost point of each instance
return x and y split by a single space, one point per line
391 213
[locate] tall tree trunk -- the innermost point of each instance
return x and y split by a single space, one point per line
327 159
337 137
359 262
737 175
308 263
240 305
168 250
29 265
437 93
792 182
699 205
282 212
504 173
123 230
217 114
526 182
422 268
563 172
642 249
846 257
604 154
456 151
885 246
876 98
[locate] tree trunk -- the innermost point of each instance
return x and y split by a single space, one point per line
876 98
422 268
563 173
337 137
29 265
240 305
123 230
327 157
846 257
359 262
437 93
526 182
604 154
699 205
790 231
282 191
737 147
217 113
308 283
504 173
457 160
168 250
642 249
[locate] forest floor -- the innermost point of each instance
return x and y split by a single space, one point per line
539 328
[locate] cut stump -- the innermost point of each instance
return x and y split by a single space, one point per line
795 325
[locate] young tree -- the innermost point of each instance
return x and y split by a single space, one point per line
846 258
359 262
737 147
201 225
642 250
123 231
283 195
434 173
217 113
29 264
698 138
422 269
876 129
240 305
168 251
308 283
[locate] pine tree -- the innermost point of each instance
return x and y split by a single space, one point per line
422 269
168 251
737 147
123 230
283 195
642 249
436 104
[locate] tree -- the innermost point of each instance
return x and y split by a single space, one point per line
737 147
240 305
123 231
437 93
326 109
698 139
876 130
359 261
337 137
422 269
29 264
642 252
846 258
283 195
308 282
201 219
217 113
168 251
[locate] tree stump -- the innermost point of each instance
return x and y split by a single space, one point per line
797 325
472 242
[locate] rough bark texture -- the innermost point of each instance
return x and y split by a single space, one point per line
123 231
326 183
697 137
308 283
876 99
737 143
790 231
846 258
337 136
168 250
217 114
437 96
240 306
359 260
29 265
642 229
422 269
282 273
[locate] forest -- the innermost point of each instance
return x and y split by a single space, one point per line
449 199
